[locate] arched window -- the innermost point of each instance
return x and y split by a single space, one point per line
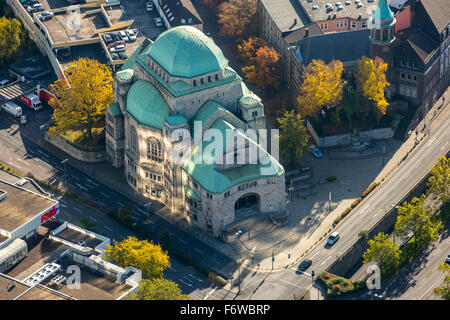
154 150
133 140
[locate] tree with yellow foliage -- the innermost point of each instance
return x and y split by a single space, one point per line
158 289
370 82
248 49
235 16
81 101
264 73
141 254
321 87
10 37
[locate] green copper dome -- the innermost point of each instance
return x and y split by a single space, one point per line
187 52
383 14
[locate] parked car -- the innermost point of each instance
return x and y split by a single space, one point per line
115 36
115 56
447 260
316 151
118 48
158 22
116 43
71 2
123 36
149 6
108 39
333 238
123 55
46 15
131 35
304 265
35 8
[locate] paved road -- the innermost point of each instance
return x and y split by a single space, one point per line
284 285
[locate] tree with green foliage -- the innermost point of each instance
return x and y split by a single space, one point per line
444 290
384 251
124 214
349 101
10 37
439 182
141 254
158 289
293 137
415 218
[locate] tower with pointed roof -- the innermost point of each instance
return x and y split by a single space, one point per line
382 35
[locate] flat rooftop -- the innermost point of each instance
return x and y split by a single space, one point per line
41 293
349 10
20 206
8 291
69 26
75 236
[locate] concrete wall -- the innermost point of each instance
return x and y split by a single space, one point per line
82 155
351 260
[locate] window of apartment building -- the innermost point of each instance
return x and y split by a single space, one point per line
133 142
109 129
402 75
363 24
402 63
110 118
271 181
324 26
132 180
209 195
154 150
353 25
131 165
195 185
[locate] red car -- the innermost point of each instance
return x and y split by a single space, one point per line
117 43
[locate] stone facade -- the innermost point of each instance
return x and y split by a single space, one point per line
144 147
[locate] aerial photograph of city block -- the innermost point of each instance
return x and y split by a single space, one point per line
225 150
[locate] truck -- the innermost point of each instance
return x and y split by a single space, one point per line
32 101
12 108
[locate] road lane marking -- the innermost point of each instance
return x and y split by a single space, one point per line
95 184
188 284
192 276
325 261
108 228
76 209
183 241
105 195
142 211
201 252
102 203
81 187
445 144
75 178
291 283
209 293
120 204
93 219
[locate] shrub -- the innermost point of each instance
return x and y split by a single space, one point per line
331 178
355 203
336 288
216 279
369 189
346 212
327 276
336 221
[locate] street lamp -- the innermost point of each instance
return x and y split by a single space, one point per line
147 205
290 195
238 259
65 170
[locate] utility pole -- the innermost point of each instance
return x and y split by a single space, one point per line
65 170
273 258
329 202
290 194
384 151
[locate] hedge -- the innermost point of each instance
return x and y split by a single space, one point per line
369 189
337 286
216 279
355 203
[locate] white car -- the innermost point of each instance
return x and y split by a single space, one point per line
35 8
333 238
131 35
158 22
118 48
149 6
46 15
123 36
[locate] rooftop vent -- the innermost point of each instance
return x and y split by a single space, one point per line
183 21
347 3
310 0
190 20
315 7
3 195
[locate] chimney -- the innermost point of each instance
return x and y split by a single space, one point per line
306 32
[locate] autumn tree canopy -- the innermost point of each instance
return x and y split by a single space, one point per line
158 289
10 37
370 82
321 87
141 254
248 48
235 16
264 73
82 103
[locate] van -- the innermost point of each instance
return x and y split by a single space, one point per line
12 108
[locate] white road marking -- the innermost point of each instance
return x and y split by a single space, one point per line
201 252
81 187
120 204
108 228
102 203
325 261
188 284
95 184
144 212
93 219
445 144
75 178
183 241
210 293
191 275
63 205
44 154
76 209
105 195
290 283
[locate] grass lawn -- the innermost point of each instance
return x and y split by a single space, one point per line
98 136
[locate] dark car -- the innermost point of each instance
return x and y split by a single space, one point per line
115 56
123 55
115 36
108 38
304 265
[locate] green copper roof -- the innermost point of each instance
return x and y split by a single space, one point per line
186 52
216 181
191 193
146 104
248 97
179 85
126 74
382 14
176 119
209 109
144 46
115 110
